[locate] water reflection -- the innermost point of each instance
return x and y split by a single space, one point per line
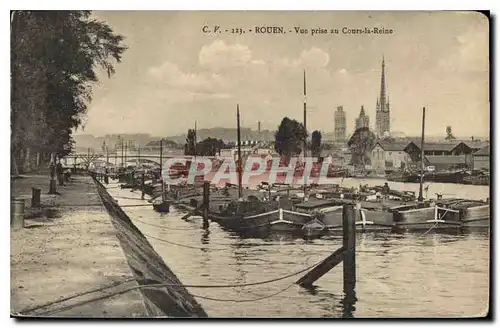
336 305
239 258
205 236
398 275
348 303
206 225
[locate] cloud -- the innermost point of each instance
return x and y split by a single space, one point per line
169 74
314 57
218 55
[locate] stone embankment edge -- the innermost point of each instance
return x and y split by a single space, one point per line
148 267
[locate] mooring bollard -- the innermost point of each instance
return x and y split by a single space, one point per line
17 214
35 197
349 245
206 201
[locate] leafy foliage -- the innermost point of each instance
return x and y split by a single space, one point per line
361 144
55 57
289 137
449 134
189 147
316 143
209 147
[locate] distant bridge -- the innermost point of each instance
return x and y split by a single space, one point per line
131 157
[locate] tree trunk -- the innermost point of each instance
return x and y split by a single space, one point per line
27 160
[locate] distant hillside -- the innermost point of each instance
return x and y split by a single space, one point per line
85 141
227 134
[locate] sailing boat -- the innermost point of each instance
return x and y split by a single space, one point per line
161 205
252 216
426 214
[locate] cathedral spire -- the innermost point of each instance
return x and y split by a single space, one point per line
382 87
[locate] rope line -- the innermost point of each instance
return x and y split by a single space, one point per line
186 246
67 298
68 307
263 282
162 227
389 249
199 247
166 285
408 244
245 300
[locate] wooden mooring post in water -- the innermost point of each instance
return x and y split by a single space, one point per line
346 253
206 201
203 206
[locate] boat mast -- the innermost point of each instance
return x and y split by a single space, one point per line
195 139
305 137
138 155
240 192
121 146
161 171
422 168
126 149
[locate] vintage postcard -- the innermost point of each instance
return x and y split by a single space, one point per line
250 164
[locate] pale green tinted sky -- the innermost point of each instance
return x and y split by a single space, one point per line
173 74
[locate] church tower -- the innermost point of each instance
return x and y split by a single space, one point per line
383 116
363 121
340 124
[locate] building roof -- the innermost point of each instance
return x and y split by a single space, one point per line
440 146
483 152
477 144
444 145
394 145
436 160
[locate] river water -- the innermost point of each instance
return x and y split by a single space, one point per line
398 275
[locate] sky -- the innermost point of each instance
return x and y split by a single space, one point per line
174 74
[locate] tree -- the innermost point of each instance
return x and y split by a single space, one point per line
449 134
209 147
189 147
55 55
361 144
316 143
289 138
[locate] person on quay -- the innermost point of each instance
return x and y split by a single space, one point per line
385 192
60 173
143 180
106 177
